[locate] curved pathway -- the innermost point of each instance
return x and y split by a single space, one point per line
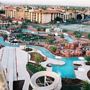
56 84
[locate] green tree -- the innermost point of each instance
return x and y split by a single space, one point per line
24 25
27 21
86 86
64 30
5 36
71 20
50 41
87 58
2 11
78 34
89 36
9 19
53 48
58 19
62 36
38 29
38 58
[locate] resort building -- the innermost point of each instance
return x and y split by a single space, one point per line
41 15
45 16
14 12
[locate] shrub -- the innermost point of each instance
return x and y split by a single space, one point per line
28 49
35 67
53 48
89 36
64 30
87 58
86 86
87 63
5 36
62 36
38 58
78 34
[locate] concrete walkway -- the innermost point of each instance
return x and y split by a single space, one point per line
81 73
14 63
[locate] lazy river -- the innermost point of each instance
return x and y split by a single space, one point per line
67 70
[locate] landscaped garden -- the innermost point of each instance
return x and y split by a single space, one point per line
74 84
87 58
37 57
33 68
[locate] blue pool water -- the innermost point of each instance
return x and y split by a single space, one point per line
68 38
6 43
29 31
67 70
26 31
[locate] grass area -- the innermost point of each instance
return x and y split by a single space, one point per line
37 57
35 67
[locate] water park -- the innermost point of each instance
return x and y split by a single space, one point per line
45 58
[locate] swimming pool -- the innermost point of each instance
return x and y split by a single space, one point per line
26 31
67 70
2 42
33 32
68 38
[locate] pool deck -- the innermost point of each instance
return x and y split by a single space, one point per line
81 73
51 61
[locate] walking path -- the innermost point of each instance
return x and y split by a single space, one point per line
81 73
14 63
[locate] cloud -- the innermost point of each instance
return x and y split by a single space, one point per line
49 2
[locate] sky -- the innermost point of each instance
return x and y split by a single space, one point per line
49 2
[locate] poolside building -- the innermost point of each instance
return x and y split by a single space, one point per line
41 15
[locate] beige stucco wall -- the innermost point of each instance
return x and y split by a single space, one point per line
46 18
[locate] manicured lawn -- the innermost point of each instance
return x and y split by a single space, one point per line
35 67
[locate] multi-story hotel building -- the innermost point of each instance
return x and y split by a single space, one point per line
39 15
14 12
45 16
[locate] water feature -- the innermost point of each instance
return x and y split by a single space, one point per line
67 70
2 42
68 38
